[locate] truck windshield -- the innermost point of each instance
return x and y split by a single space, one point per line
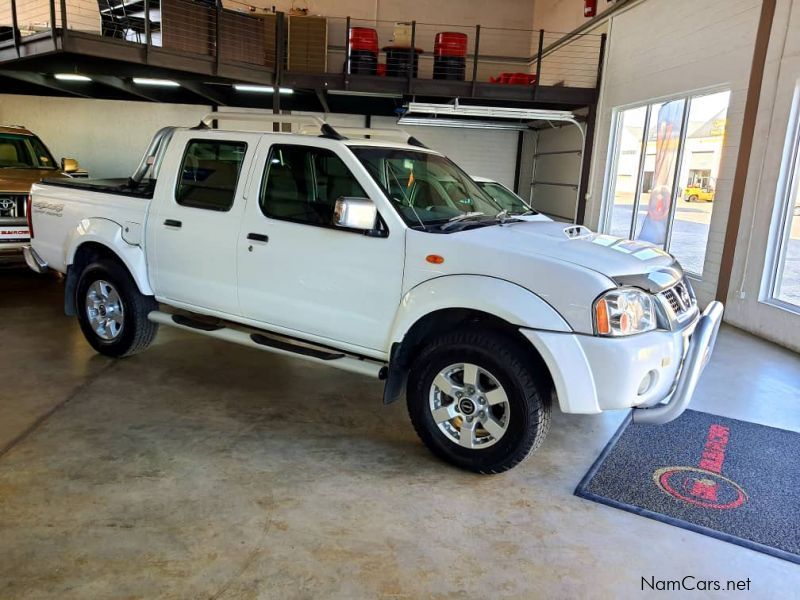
506 198
24 152
427 190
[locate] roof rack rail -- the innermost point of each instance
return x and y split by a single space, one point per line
300 120
311 125
393 134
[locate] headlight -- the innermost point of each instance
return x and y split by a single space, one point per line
624 311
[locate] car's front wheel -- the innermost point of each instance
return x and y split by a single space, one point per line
112 311
476 401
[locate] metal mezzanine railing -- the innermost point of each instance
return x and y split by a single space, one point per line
231 32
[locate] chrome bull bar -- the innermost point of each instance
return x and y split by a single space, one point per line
701 344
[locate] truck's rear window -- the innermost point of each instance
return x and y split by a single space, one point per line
209 174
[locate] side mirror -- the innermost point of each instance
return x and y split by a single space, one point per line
69 165
355 213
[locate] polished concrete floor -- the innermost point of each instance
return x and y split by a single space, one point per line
204 470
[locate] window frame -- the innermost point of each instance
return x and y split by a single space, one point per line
783 212
179 177
609 178
380 229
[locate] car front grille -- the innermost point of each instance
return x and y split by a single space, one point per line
680 298
12 206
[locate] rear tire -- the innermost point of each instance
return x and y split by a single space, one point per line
497 422
692 198
112 312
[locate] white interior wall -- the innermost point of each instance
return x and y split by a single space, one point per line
562 15
747 303
107 137
661 49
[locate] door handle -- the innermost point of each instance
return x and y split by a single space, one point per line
258 237
172 223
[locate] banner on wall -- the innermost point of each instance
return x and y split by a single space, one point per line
668 137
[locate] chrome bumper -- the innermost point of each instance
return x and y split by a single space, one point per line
33 260
701 345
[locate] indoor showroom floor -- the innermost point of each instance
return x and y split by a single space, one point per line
200 469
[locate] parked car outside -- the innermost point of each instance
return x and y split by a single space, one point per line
694 193
374 254
24 160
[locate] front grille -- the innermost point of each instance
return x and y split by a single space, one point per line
12 206
679 298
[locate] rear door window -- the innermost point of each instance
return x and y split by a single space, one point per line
209 174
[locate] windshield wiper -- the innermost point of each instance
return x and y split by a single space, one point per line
458 218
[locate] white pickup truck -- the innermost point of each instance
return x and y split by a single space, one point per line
364 250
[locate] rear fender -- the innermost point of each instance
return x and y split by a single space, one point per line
111 235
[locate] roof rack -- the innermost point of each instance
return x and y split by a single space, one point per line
300 120
310 125
392 134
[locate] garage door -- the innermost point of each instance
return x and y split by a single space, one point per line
482 152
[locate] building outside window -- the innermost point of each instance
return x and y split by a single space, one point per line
662 180
785 272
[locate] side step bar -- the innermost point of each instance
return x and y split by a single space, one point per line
272 343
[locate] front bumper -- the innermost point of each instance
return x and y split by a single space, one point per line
592 374
701 345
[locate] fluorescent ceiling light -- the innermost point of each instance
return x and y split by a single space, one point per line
71 77
260 89
461 123
161 82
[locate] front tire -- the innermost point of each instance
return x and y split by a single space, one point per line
476 402
112 312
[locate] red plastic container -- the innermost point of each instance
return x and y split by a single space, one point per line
364 38
514 79
450 43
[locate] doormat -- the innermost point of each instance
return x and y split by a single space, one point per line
729 479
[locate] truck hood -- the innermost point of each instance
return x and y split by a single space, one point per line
19 181
621 260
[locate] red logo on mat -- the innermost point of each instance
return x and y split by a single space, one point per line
704 485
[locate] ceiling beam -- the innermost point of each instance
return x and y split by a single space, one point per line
322 100
48 82
205 91
123 85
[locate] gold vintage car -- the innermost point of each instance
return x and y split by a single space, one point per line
24 160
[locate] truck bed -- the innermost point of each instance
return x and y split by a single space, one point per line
120 186
66 211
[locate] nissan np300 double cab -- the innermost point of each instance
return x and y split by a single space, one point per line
364 250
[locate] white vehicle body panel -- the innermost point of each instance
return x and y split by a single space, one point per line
195 264
323 281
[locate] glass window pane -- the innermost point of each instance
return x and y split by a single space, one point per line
626 169
705 138
787 281
663 141
303 183
209 174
